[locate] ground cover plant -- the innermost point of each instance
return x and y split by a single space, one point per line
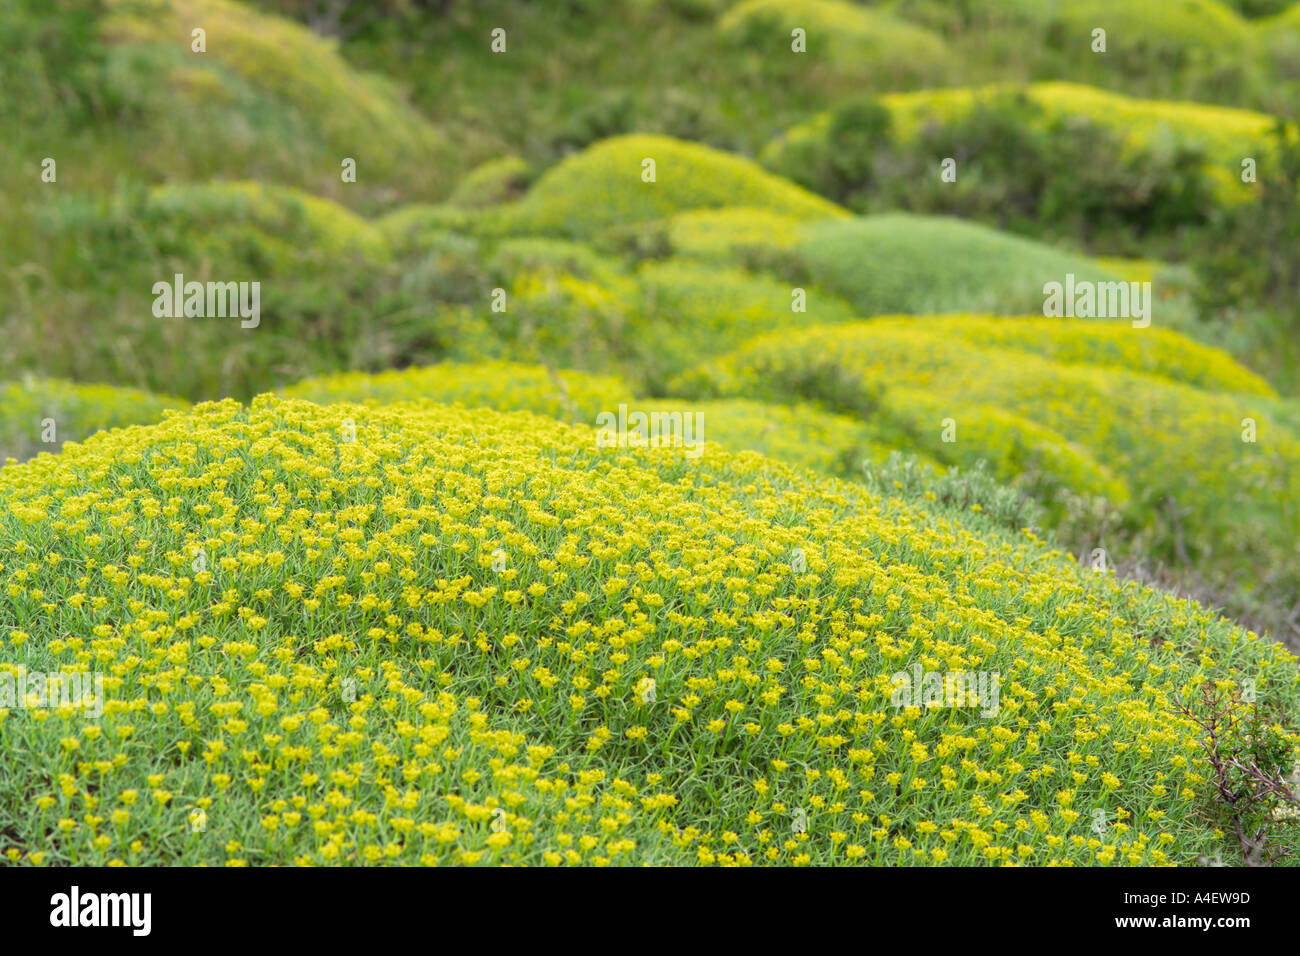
668 432
432 646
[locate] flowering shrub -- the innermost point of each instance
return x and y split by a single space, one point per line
725 233
691 311
646 325
1154 351
419 634
494 182
802 436
1047 159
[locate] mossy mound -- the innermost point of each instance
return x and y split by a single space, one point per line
276 69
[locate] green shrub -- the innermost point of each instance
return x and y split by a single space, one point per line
105 255
1196 490
1048 160
602 187
354 114
492 183
846 43
921 264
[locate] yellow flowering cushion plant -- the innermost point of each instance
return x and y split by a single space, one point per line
416 634
1086 405
504 386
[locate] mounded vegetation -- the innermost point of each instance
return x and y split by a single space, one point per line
455 620
921 264
602 187
389 600
1048 159
1172 458
503 386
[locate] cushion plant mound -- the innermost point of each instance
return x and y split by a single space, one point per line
1121 426
1154 351
1221 135
921 264
349 113
1183 27
490 183
504 386
281 213
603 187
421 634
114 249
802 436
847 41
698 310
723 233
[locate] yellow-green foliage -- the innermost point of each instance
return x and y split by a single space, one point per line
695 310
647 326
1162 441
358 115
849 40
1132 270
1281 36
411 227
1288 21
286 215
1152 350
467 637
722 233
899 262
1146 35
66 411
602 187
1225 134
799 435
1208 27
543 254
504 386
562 320
1020 449
494 182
